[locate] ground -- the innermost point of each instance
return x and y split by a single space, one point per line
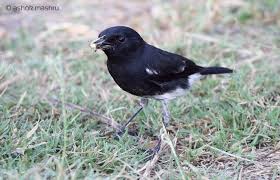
59 106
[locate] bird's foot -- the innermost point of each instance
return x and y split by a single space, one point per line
119 133
153 151
166 124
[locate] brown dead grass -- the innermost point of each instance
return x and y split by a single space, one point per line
265 166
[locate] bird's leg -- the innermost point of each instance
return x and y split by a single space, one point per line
165 113
165 120
143 103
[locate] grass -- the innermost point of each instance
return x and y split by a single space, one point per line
224 123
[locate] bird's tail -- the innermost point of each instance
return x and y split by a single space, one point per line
214 70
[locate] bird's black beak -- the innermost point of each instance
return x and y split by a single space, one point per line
101 43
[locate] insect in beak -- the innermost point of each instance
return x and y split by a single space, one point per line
99 43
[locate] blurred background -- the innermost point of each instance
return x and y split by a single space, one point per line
45 53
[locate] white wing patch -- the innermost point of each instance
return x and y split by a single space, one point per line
182 68
151 71
193 78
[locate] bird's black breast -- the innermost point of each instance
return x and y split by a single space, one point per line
132 77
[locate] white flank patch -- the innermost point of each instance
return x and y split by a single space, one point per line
151 72
193 78
171 95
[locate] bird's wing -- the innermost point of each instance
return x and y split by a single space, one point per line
163 66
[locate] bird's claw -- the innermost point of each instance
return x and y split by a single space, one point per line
119 134
152 152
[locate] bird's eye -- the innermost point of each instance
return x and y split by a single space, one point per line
121 39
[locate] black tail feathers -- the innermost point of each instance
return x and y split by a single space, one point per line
215 70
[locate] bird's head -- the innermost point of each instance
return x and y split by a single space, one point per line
118 41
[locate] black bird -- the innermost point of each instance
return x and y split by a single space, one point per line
146 71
